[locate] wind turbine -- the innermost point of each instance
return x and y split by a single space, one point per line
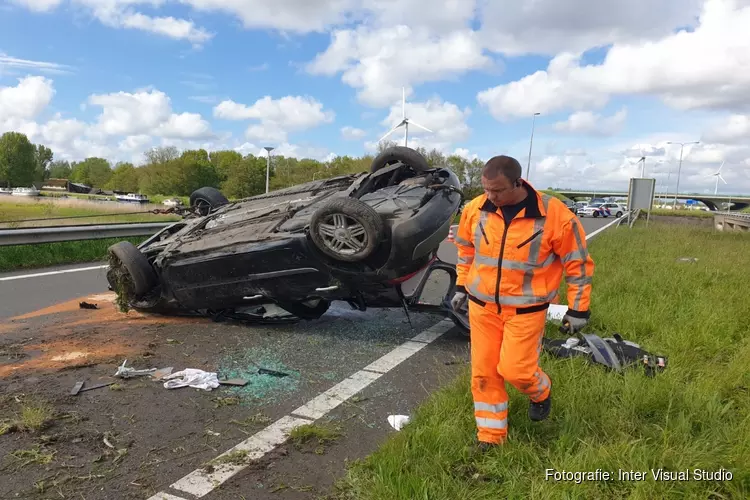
405 121
718 176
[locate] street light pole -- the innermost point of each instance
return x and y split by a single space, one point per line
531 143
268 164
679 169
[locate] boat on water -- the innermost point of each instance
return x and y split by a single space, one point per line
6 191
172 202
21 191
131 198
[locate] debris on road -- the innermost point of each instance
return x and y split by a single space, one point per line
79 387
614 353
191 377
128 372
398 421
86 305
241 382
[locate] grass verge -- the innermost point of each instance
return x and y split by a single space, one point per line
695 415
13 258
682 213
13 213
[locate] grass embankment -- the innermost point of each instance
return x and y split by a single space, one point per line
66 252
694 415
682 213
14 211
13 258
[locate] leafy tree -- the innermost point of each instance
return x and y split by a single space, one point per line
124 178
17 159
162 154
59 170
42 157
93 171
245 178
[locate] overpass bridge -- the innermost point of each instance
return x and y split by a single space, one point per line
710 200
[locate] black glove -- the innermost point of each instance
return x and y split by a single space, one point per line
574 321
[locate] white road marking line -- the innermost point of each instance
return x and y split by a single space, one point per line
395 357
199 483
165 496
52 273
336 395
594 233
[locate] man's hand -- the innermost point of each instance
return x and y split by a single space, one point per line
571 324
458 301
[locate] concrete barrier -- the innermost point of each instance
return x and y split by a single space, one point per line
732 222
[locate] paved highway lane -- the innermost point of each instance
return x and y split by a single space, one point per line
25 291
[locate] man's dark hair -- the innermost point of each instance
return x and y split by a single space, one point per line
505 165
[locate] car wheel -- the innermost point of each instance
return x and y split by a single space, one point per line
346 229
207 199
130 268
595 214
305 310
401 154
618 214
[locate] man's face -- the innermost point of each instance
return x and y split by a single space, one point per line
500 191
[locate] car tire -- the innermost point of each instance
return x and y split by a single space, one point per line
142 276
207 199
304 311
401 154
618 214
595 214
332 224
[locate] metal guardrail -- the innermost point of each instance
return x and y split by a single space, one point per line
35 235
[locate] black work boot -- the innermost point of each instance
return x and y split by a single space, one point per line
540 411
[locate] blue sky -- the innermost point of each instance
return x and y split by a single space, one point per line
634 85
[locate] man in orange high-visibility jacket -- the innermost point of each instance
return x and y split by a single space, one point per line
513 245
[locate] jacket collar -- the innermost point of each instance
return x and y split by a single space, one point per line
533 208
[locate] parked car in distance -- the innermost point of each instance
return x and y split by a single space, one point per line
603 210
572 206
353 238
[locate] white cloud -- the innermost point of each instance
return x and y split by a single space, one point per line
446 121
379 62
550 26
179 29
7 61
464 153
27 99
589 123
277 117
146 112
352 133
286 150
706 68
734 130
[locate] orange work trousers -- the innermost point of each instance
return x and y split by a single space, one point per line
505 347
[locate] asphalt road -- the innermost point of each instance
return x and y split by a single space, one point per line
26 291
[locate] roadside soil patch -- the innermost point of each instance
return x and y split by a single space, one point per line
134 437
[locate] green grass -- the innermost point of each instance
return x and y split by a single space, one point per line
694 415
682 213
12 212
555 194
50 254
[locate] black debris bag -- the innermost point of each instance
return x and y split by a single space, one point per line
614 353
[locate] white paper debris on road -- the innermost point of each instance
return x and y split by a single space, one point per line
398 421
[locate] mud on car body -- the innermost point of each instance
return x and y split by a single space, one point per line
352 238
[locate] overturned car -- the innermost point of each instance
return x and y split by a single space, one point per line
354 238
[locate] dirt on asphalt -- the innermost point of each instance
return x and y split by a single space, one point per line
134 438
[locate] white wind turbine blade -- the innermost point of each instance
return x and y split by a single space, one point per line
420 126
722 164
391 131
722 179
403 103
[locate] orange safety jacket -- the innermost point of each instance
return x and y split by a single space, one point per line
520 264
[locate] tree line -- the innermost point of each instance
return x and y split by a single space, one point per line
167 171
